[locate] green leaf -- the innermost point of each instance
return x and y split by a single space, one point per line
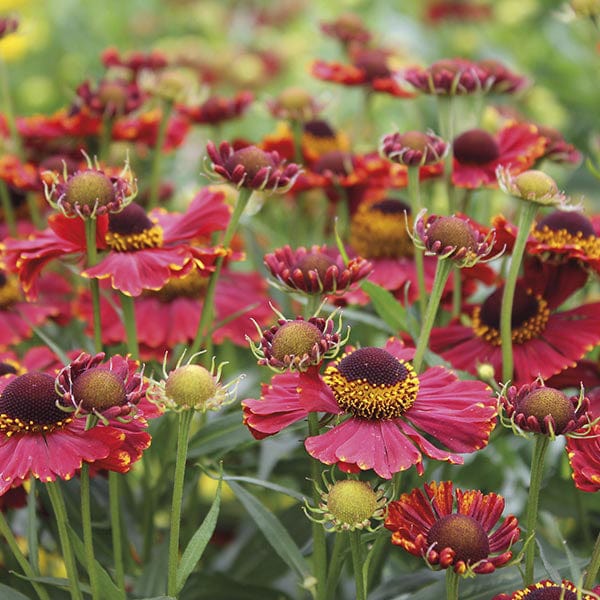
161 598
7 593
268 485
220 435
108 589
199 541
275 533
386 306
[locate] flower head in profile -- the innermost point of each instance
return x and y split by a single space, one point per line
315 270
413 148
382 411
549 590
90 192
192 387
134 62
536 408
348 504
250 167
109 97
298 344
348 29
218 109
295 103
453 528
452 237
532 186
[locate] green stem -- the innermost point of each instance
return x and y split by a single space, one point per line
452 582
297 133
7 209
128 308
207 309
535 483
32 526
88 535
7 533
9 113
313 301
34 210
319 542
414 197
60 513
106 137
592 568
92 259
115 523
158 154
528 210
183 437
357 565
336 562
456 292
442 272
446 123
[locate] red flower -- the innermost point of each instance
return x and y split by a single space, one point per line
369 68
135 61
218 109
428 525
19 175
545 341
566 590
384 411
439 11
477 154
348 29
147 250
109 98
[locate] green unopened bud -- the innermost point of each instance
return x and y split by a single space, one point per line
191 386
536 186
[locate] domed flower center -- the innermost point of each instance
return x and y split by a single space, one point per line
191 386
476 147
370 383
452 232
252 159
336 162
99 389
352 502
214 109
294 98
113 94
561 229
314 265
9 290
193 285
461 533
545 401
548 590
295 339
131 230
529 316
535 185
319 128
373 63
28 405
415 140
348 24
379 230
89 188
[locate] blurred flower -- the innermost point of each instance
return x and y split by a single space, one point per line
348 29
439 11
547 589
8 25
478 154
134 61
428 525
315 270
217 109
413 148
558 150
384 410
294 104
109 97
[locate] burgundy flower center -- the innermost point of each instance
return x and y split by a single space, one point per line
371 383
529 316
335 162
461 533
28 404
214 109
547 590
475 147
89 188
131 229
98 389
253 159
545 401
113 94
319 129
574 223
314 263
452 232
295 339
380 230
373 63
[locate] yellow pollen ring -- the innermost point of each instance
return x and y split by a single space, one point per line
377 402
9 292
149 238
10 425
528 330
375 234
590 246
192 285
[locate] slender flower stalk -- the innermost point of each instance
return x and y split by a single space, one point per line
452 582
183 437
357 565
88 536
207 309
114 485
526 217
60 513
535 483
8 210
92 259
128 307
29 571
32 527
8 110
414 195
336 562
